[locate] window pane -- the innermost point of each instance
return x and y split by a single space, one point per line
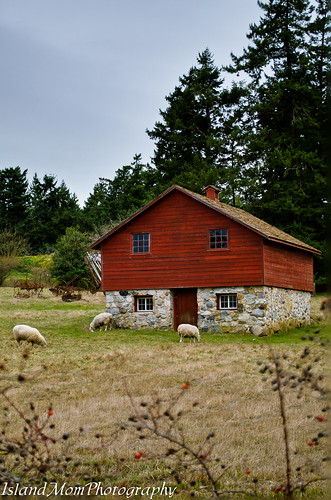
233 301
140 243
141 304
224 301
218 238
228 301
145 304
149 304
134 243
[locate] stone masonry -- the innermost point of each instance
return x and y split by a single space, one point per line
261 310
121 305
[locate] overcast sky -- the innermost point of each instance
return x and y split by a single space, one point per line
81 80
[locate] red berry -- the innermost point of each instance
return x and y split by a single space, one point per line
247 471
320 419
310 443
50 412
138 455
185 386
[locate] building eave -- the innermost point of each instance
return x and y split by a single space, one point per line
216 206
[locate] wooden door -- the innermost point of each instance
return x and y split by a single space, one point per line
185 306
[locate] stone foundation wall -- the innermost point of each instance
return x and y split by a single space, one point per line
122 306
261 310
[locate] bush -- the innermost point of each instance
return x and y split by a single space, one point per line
7 264
11 246
69 266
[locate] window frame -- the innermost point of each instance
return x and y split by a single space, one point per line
146 298
143 234
228 307
215 236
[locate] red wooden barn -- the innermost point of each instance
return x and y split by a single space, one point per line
188 258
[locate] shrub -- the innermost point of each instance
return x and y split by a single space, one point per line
69 266
11 246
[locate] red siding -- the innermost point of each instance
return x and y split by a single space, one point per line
288 267
180 255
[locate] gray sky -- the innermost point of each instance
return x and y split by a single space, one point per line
81 80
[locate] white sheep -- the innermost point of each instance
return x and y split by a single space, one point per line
188 331
102 319
25 332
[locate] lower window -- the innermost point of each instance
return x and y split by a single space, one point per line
227 301
144 304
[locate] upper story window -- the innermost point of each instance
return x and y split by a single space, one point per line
141 243
218 238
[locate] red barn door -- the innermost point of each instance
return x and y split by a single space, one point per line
185 306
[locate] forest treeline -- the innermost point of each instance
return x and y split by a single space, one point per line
262 140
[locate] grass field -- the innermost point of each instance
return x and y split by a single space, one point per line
94 383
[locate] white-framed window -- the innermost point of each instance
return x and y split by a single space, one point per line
141 243
144 304
227 301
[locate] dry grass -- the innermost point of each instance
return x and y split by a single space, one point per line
86 376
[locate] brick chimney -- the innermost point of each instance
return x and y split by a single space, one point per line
212 193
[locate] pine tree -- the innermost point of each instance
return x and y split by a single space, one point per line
113 200
13 199
188 139
69 264
52 209
286 64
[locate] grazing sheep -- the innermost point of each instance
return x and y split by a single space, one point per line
188 331
102 319
25 332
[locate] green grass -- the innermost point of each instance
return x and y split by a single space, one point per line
82 374
73 318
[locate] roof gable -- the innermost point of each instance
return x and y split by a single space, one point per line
244 218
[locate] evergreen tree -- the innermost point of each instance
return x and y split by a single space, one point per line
13 199
237 174
132 187
189 137
113 200
286 62
69 265
98 206
52 210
